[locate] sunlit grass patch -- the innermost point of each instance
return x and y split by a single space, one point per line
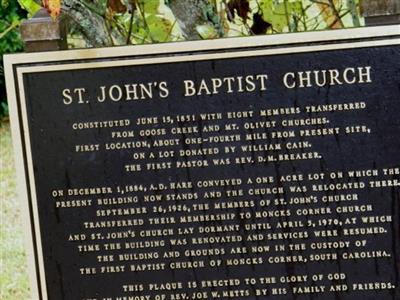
13 275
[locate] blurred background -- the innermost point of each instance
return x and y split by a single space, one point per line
106 23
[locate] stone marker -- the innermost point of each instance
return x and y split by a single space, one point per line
381 12
42 33
254 168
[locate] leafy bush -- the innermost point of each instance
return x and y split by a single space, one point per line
11 16
120 22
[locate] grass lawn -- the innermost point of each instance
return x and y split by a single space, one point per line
14 284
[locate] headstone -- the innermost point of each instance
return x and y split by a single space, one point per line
250 168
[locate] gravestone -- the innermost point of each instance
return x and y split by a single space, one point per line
250 168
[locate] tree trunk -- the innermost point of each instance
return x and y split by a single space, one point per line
189 14
91 23
93 26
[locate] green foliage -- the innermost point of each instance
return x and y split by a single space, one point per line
152 26
11 16
152 21
30 6
145 22
291 16
280 15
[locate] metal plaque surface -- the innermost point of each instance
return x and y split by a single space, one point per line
251 168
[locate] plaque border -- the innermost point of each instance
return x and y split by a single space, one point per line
16 65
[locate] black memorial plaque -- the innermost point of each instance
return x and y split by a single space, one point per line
234 172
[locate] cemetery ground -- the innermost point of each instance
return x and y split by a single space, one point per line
14 282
